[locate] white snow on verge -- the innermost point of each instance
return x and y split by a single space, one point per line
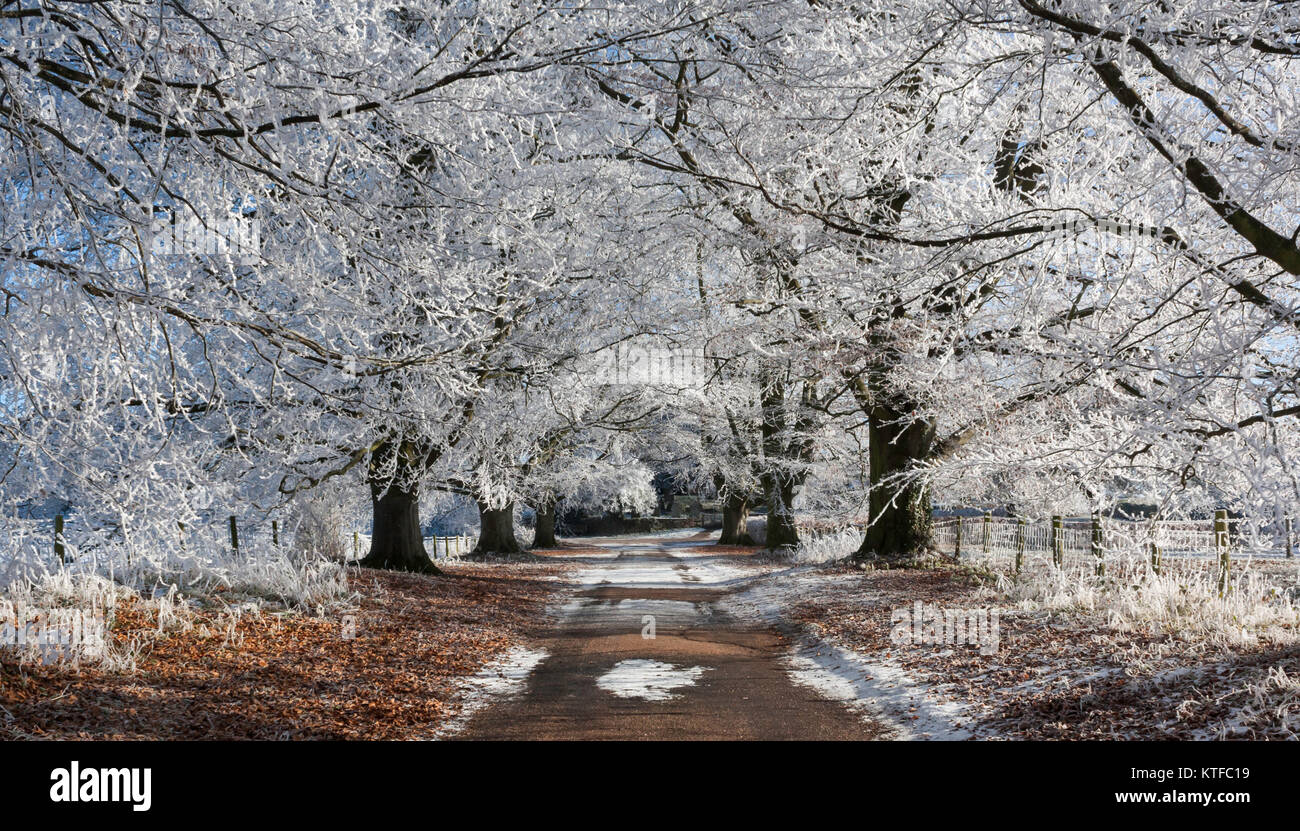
878 691
651 680
875 687
501 678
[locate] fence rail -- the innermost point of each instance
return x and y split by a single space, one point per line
69 542
451 546
439 547
1098 541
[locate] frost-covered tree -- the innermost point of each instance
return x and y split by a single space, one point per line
287 238
981 250
272 247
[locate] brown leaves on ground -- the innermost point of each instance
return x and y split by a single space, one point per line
1062 675
288 676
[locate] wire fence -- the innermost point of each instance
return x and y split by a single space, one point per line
439 547
51 543
1097 542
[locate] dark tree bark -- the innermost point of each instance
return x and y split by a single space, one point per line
901 523
778 480
496 533
735 520
396 541
781 530
544 535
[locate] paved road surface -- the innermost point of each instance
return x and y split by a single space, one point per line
704 674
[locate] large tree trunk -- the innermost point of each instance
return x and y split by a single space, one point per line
544 534
735 520
778 480
781 530
496 533
900 512
396 542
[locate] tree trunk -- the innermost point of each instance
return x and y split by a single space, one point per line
544 535
496 533
396 542
900 512
778 480
781 530
735 521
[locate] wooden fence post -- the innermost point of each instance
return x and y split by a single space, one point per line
1289 548
1097 550
957 548
988 522
1058 541
356 546
59 550
1155 558
1020 543
234 534
1221 547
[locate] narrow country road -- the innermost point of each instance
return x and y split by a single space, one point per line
702 675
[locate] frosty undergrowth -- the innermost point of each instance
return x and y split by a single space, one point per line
169 587
1271 709
1185 602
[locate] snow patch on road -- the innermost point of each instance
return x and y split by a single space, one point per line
664 574
717 573
504 677
651 680
645 575
768 595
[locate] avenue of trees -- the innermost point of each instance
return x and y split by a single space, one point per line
1035 253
